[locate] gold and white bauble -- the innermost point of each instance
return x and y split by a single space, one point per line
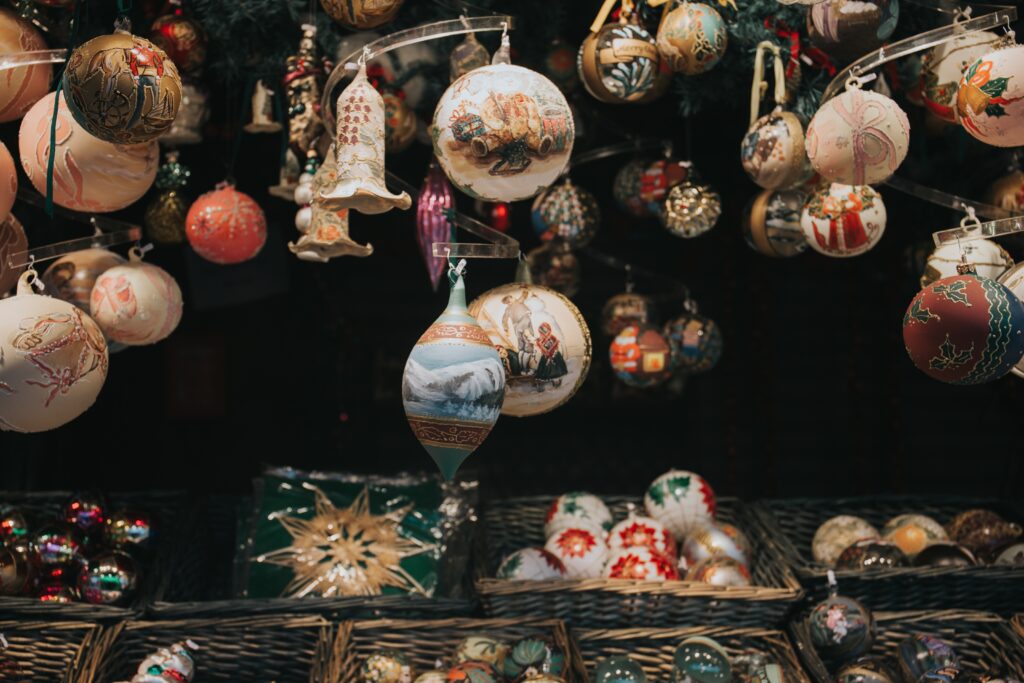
692 38
638 531
502 133
480 649
843 220
690 210
837 534
530 564
990 97
619 63
578 509
681 500
720 571
988 258
913 533
72 276
22 86
773 151
771 223
136 303
543 342
944 65
582 551
717 540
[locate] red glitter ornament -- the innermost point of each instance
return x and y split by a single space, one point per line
226 226
181 38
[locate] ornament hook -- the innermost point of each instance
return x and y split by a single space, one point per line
833 584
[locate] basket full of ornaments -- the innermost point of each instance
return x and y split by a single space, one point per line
678 556
905 552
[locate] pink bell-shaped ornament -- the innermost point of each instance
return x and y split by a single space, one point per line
432 223
359 153
454 383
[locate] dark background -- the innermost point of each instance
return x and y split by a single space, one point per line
284 362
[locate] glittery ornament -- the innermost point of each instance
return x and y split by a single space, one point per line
8 182
848 29
964 329
554 265
303 81
843 220
468 55
193 113
683 501
640 356
717 540
582 551
841 628
692 38
23 86
771 223
136 303
453 385
580 510
658 178
640 564
696 342
387 666
165 216
568 213
982 531
399 123
859 137
691 210
12 241
619 669
72 276
626 188
838 533
54 361
871 554
56 546
182 38
701 660
362 14
530 564
89 174
126 528
327 235
13 528
432 219
626 309
642 532
773 152
943 66
619 63
990 98
111 578
87 511
122 88
913 532
226 226
720 571
988 259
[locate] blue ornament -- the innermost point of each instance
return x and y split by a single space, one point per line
923 653
619 670
701 660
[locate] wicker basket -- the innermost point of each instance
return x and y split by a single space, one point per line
653 649
614 603
1018 624
792 524
170 510
285 649
45 652
984 641
428 641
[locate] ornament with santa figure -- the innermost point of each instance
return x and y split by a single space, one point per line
641 564
641 356
843 220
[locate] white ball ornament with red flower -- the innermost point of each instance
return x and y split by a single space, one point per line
642 532
582 551
136 303
578 509
682 501
531 564
641 564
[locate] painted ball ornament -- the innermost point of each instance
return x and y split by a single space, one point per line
1013 280
12 241
913 532
771 223
717 540
640 356
866 669
1007 192
432 677
620 64
136 303
943 66
701 660
964 329
362 14
990 98
982 531
658 178
566 212
642 532
122 88
22 86
773 152
640 564
945 554
502 133
692 38
988 258
8 182
577 509
696 342
554 265
111 578
582 551
626 309
837 534
720 571
922 653
627 187
89 174
619 669
843 220
848 29
530 564
387 666
54 361
182 39
481 649
690 210
72 277
226 226
681 500
1010 556
871 554
859 137
529 655
841 628
472 672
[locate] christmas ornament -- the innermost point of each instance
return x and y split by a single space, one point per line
696 341
432 677
174 663
502 132
1010 556
554 265
530 564
619 669
122 88
402 69
87 511
642 532
843 220
12 241
136 303
640 356
432 219
568 213
88 174
619 63
720 571
964 329
945 554
692 38
54 361
359 153
262 104
656 181
165 216
717 540
859 137
841 628
627 186
990 98
982 531
626 309
771 223
837 534
472 672
560 65
913 533
1008 192
56 546
109 579
481 649
399 123
15 571
496 213
72 276
543 343
773 152
580 510
1013 280
922 653
387 666
226 226
327 235
193 113
55 591
303 82
848 29
362 14
8 182
13 528
347 551
701 660
127 528
866 670
468 55
988 259
682 501
181 38
944 64
582 551
690 210
532 655
640 564
870 554
454 384
21 87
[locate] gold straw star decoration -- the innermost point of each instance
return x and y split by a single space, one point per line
347 551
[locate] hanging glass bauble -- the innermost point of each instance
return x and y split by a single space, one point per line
619 669
657 180
627 188
625 309
773 152
843 220
362 14
771 223
453 385
136 303
836 534
701 660
568 213
696 342
619 63
193 114
226 226
944 64
22 86
12 241
468 55
182 38
690 210
543 342
560 65
8 182
554 265
988 258
72 276
166 213
990 97
692 38
841 629
433 223
848 29
640 356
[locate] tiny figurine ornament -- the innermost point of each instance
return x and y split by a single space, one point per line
568 213
226 226
303 81
136 303
841 628
692 38
110 578
531 564
387 666
871 554
990 97
262 105
578 509
771 223
701 660
12 241
619 669
683 501
640 356
837 534
988 258
922 653
848 29
640 563
913 532
943 66
619 63
22 86
843 220
773 152
582 551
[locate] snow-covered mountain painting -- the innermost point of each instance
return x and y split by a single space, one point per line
471 391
